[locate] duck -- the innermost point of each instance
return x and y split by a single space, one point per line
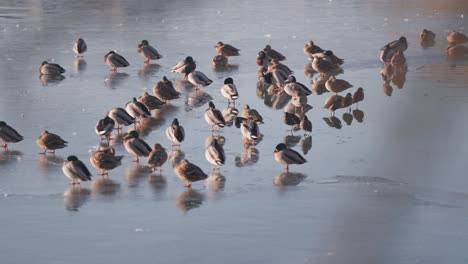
273 53
189 172
334 102
75 170
148 52
136 146
306 124
199 79
104 127
214 154
229 114
229 90
347 100
157 157
291 120
175 133
226 49
53 69
115 60
219 61
310 48
151 102
8 135
165 90
334 85
275 64
80 47
275 74
391 48
252 114
185 66
214 117
456 51
358 96
427 36
457 37
294 88
121 117
287 156
137 110
323 66
263 60
333 58
398 59
249 128
105 159
50 141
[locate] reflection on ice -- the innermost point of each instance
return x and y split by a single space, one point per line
10 155
136 173
289 179
51 79
215 182
189 199
197 99
75 197
79 65
115 79
158 182
248 157
148 70
306 144
105 186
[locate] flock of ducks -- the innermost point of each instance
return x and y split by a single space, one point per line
275 79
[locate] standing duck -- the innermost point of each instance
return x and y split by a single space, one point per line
358 96
310 48
229 90
334 85
189 172
214 117
249 128
8 134
306 125
185 66
214 153
148 52
287 156
275 64
199 79
80 47
136 146
115 60
273 53
323 66
76 170
165 90
175 133
220 61
105 160
252 114
291 120
151 102
53 69
294 88
104 127
50 141
121 117
157 157
137 110
226 49
391 48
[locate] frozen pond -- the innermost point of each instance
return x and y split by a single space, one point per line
389 189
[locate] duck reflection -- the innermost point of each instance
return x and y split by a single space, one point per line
358 115
399 77
115 79
189 199
135 174
224 71
291 140
197 99
51 79
318 86
388 89
275 98
167 110
394 72
230 113
348 118
175 156
221 140
183 85
306 144
9 156
309 71
146 125
74 198
148 70
215 182
333 121
248 157
289 179
157 182
47 162
79 65
105 187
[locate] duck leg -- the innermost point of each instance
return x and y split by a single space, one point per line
188 184
137 160
44 152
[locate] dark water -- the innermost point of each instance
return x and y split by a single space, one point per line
388 189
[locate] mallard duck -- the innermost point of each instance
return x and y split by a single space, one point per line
457 37
275 64
294 88
185 66
358 96
148 52
263 60
50 141
115 60
8 134
334 102
323 66
214 117
333 58
48 68
105 159
391 48
80 47
427 36
151 102
220 61
287 156
249 128
398 59
229 114
157 157
104 127
273 53
347 100
252 114
334 85
226 49
456 51
214 153
277 75
121 117
291 120
175 133
306 124
229 90
199 79
165 90
310 48
189 172
137 110
136 146
76 170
